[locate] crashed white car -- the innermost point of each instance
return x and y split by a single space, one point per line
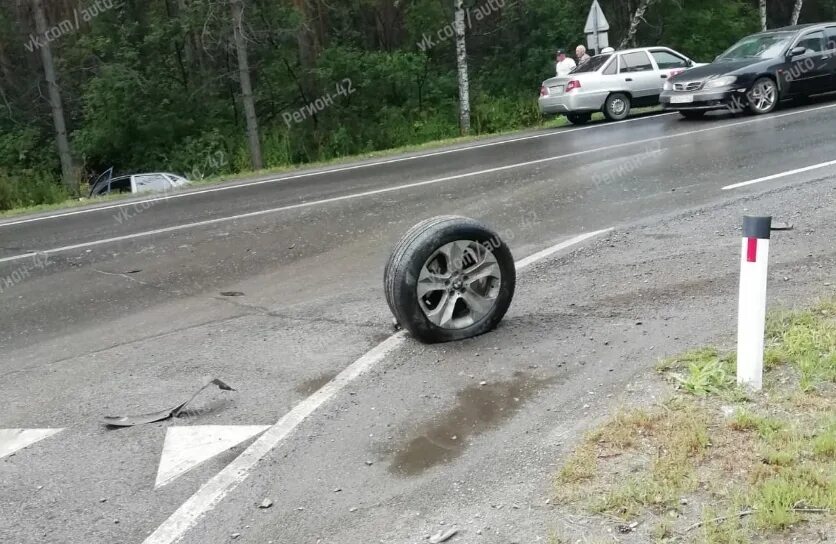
158 182
612 83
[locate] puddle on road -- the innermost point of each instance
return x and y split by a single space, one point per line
309 387
478 408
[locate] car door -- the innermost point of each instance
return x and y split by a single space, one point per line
669 63
830 50
642 79
808 73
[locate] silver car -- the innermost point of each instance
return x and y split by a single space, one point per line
612 83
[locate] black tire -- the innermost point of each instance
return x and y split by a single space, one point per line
413 253
758 106
617 106
579 118
692 114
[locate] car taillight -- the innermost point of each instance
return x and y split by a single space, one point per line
544 91
573 84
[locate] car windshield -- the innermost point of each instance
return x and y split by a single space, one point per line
592 65
759 46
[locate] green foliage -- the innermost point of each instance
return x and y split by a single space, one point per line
706 372
29 188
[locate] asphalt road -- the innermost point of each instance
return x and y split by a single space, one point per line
121 311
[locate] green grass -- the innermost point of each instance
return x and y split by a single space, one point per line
765 472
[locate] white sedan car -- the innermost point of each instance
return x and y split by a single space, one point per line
612 83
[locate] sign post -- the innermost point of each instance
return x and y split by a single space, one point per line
751 317
596 28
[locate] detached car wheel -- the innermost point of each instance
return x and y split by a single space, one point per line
579 118
763 96
617 107
449 278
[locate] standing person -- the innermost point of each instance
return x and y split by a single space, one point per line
564 64
580 52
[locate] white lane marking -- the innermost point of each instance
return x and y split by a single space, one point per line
780 175
390 189
186 447
558 247
213 492
322 172
12 440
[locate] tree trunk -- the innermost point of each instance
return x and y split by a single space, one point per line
461 61
246 85
763 14
55 102
638 17
796 11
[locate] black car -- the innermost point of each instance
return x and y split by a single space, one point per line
758 72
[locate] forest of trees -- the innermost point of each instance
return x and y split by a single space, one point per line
206 87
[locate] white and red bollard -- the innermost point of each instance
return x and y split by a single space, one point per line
751 317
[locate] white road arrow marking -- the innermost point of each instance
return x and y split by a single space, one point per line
12 440
187 447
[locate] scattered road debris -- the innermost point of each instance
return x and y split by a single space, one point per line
130 421
266 503
443 536
232 294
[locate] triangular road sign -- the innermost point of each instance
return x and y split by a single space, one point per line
12 440
187 447
595 19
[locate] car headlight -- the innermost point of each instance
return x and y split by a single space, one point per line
668 86
724 81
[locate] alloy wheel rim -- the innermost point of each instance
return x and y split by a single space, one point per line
459 284
763 95
617 106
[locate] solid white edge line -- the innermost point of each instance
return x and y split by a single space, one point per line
392 189
558 247
780 175
336 170
213 492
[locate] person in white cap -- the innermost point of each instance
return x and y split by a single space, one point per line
564 64
607 50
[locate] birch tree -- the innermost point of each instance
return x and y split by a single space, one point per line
763 14
638 17
461 62
246 84
796 11
55 102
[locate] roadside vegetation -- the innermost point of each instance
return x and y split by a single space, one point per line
714 464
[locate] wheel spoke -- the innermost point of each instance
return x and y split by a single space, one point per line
429 282
443 313
454 253
479 305
487 268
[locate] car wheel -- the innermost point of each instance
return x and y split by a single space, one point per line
692 114
617 107
579 118
763 96
449 278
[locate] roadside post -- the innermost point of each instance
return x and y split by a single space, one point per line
751 317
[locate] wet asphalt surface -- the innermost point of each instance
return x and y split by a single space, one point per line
132 326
